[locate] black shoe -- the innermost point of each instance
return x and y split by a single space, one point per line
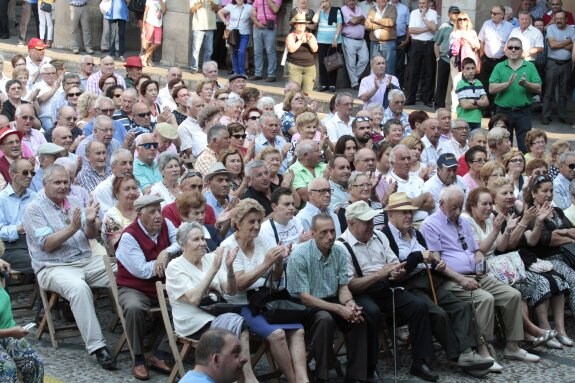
332 89
105 359
255 78
564 120
429 104
270 79
424 372
545 121
323 88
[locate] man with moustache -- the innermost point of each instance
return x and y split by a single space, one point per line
430 140
122 163
457 144
445 176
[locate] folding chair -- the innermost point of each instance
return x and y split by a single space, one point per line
60 332
19 283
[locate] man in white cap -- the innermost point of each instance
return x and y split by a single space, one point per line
143 252
47 154
58 230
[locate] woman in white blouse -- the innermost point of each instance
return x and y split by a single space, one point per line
239 19
168 188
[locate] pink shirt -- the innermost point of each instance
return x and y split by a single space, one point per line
352 31
264 12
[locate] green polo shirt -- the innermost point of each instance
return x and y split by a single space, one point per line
146 175
441 38
302 176
469 90
515 96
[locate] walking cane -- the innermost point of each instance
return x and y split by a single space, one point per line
394 340
431 282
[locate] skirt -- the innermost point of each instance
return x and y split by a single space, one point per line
260 326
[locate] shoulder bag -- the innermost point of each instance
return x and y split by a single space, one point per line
507 268
334 61
232 36
214 303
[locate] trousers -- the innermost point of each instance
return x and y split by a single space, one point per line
17 356
27 9
80 19
303 75
520 121
356 58
202 39
265 39
421 67
556 80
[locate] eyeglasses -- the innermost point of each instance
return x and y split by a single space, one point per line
363 186
462 19
481 161
89 64
77 83
516 160
461 127
27 118
142 115
363 119
111 130
149 145
538 143
239 136
49 73
570 166
322 191
496 13
27 173
118 95
107 111
253 118
514 48
77 94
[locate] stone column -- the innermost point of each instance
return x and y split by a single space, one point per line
177 35
62 33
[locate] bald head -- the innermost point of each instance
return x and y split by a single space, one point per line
62 135
174 73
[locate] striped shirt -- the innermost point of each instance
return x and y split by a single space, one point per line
93 86
89 178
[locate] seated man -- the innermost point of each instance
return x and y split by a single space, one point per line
319 199
143 252
94 171
47 154
317 274
260 188
307 167
14 199
218 196
451 318
450 235
339 172
445 176
146 168
58 233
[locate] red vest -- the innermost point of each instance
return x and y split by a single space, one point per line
151 251
5 169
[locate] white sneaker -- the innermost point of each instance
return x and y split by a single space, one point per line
521 354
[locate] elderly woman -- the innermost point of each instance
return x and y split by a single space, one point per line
180 94
239 20
86 109
125 190
514 163
294 104
251 119
273 159
195 276
360 189
22 75
192 208
557 148
205 90
491 171
255 260
499 143
536 141
168 188
232 111
376 113
347 146
500 233
234 163
393 131
266 104
415 147
475 158
107 81
14 100
17 357
329 39
301 47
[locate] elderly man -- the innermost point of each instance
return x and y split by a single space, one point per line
411 184
67 116
430 140
203 31
146 169
133 67
164 96
514 82
339 172
561 194
47 154
122 163
557 5
498 143
354 46
450 235
104 106
560 37
317 274
11 146
14 199
372 269
106 66
141 119
46 89
319 193
457 143
62 136
374 88
381 22
166 134
103 132
236 85
69 81
340 123
451 318
35 59
94 171
270 134
445 176
259 186
218 139
124 114
86 69
218 195
193 139
143 252
58 231
24 121
444 117
394 110
210 72
307 166
531 37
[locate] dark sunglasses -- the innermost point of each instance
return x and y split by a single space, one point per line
544 178
462 19
147 114
117 95
253 118
514 48
27 173
149 145
77 94
570 166
240 136
107 111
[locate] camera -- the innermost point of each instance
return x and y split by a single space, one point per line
271 25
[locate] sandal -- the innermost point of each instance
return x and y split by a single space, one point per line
536 342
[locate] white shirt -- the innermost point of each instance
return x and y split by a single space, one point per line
104 196
452 146
192 136
494 37
154 16
33 69
166 99
530 38
204 19
46 107
434 186
416 21
413 187
337 128
239 18
429 154
287 234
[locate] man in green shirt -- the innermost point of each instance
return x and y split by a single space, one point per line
514 82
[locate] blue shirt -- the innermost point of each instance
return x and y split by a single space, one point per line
37 183
145 174
12 209
119 130
196 377
326 32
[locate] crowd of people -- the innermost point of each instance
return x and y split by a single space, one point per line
219 191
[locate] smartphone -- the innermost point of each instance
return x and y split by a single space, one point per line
29 326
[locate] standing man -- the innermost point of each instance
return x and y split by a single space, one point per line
492 36
557 5
80 18
514 81
560 38
35 59
422 27
265 19
354 46
402 40
107 65
381 22
193 139
531 37
203 30
443 57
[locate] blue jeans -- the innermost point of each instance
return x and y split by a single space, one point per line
199 39
265 39
239 55
388 51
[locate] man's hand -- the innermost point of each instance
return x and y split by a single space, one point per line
76 222
92 212
469 284
523 80
20 229
398 272
351 312
160 264
18 332
511 79
4 266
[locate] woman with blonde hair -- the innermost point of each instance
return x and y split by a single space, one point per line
558 147
415 147
85 109
205 90
491 171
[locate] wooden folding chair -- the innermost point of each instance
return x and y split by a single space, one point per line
19 283
60 332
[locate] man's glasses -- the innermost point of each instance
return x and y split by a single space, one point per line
27 173
143 115
240 136
514 48
322 191
77 94
149 145
28 118
363 186
106 130
570 166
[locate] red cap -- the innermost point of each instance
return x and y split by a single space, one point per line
134 62
6 131
36 43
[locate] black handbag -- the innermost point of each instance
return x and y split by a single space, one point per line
334 61
137 6
234 37
214 303
276 305
46 7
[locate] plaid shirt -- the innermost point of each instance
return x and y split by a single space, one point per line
88 178
541 57
308 271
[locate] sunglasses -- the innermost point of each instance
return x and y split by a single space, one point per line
147 114
363 119
322 191
107 111
28 118
462 19
514 48
149 145
117 95
570 166
77 94
27 173
240 136
253 118
545 178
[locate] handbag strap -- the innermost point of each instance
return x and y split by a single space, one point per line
275 231
240 17
353 257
